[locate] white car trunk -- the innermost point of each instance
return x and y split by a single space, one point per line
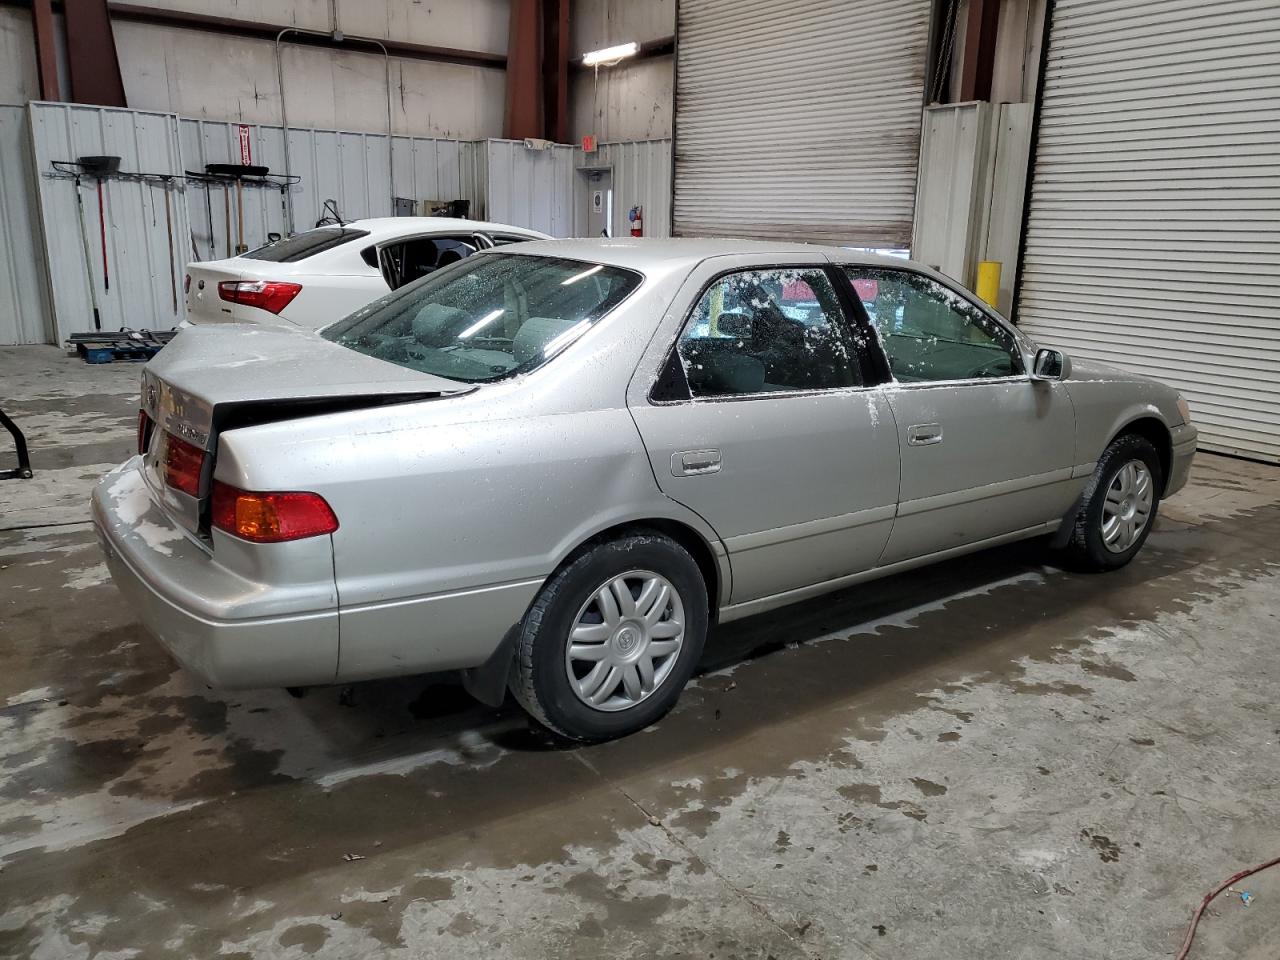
203 303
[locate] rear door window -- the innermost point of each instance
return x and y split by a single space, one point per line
763 331
502 239
303 245
405 261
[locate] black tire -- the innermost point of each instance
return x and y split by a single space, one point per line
539 679
1086 550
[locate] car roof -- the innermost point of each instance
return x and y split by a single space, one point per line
641 253
382 227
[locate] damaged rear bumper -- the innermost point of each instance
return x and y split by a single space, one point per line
229 630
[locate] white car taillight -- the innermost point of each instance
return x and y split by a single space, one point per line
270 295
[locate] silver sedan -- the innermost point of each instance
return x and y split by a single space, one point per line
554 466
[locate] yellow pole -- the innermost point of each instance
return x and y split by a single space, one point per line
988 289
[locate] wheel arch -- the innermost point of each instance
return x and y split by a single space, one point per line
713 566
1157 433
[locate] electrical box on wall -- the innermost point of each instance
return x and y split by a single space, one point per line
405 207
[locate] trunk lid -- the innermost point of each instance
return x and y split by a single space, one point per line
216 378
203 303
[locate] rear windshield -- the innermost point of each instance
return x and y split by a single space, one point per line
486 317
303 245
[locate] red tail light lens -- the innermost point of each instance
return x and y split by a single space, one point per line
144 431
183 464
270 517
186 284
270 295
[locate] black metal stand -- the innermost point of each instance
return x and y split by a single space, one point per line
23 471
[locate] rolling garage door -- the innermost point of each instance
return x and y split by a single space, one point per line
1153 235
799 121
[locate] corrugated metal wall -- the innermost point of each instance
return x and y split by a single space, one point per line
973 167
349 168
530 188
505 180
641 176
24 290
143 260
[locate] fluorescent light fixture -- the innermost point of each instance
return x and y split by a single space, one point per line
480 324
610 55
583 275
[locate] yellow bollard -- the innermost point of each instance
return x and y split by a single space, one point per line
989 282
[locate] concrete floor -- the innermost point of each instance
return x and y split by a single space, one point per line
990 758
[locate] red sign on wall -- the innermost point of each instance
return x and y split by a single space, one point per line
246 152
589 143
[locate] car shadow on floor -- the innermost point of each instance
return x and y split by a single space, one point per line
987 609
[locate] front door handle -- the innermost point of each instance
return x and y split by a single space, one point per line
691 463
923 434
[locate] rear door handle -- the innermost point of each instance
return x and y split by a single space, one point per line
923 434
691 463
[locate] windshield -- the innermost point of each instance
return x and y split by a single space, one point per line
487 317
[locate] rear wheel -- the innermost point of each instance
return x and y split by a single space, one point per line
1119 506
612 638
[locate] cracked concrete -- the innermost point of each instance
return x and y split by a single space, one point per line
987 758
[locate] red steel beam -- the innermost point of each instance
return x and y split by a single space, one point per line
91 54
555 69
979 62
46 56
524 74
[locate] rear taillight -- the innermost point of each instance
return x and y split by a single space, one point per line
183 464
270 295
144 431
270 517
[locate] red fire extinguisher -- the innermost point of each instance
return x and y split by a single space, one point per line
636 216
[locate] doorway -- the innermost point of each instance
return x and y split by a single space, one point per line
596 192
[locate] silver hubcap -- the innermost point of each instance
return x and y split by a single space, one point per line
1128 506
625 641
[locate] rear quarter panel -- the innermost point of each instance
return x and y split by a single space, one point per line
453 512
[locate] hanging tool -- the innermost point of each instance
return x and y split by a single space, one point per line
208 210
88 257
226 212
168 229
241 246
102 232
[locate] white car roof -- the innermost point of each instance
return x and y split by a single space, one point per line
652 252
385 228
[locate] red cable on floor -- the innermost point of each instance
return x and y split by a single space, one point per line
1195 917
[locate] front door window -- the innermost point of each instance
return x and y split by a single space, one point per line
931 333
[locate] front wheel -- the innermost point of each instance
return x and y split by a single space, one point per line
1119 506
612 638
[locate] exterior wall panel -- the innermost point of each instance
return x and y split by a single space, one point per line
24 291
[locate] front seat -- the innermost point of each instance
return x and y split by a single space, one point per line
534 335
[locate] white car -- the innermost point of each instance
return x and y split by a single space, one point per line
314 278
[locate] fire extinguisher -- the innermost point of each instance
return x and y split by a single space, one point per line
636 216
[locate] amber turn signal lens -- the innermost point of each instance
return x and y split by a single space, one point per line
270 517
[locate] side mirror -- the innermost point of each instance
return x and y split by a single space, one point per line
273 238
1051 365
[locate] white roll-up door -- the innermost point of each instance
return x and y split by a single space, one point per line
1153 235
799 121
